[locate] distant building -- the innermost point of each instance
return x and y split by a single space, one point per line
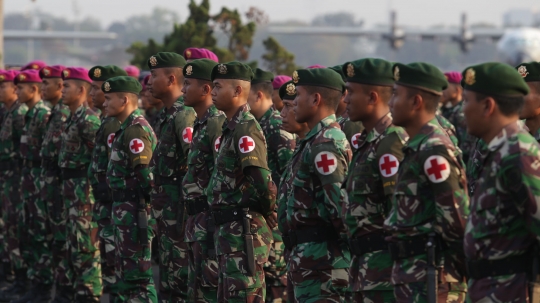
521 18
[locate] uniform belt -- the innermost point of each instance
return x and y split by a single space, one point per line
315 234
72 173
414 246
162 180
197 205
125 195
102 192
223 216
32 163
369 243
479 269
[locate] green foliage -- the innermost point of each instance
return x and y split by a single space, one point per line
277 58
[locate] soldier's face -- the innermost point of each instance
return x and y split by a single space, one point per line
97 95
357 101
473 110
278 103
222 93
191 90
157 83
401 106
26 92
304 107
51 88
531 108
70 92
289 120
113 104
8 91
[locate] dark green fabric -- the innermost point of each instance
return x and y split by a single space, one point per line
102 73
494 78
166 59
369 71
529 71
122 84
322 77
199 69
339 69
287 91
260 76
232 70
420 75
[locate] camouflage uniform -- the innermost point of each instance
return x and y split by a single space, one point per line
242 147
203 268
474 164
455 116
449 129
56 214
10 178
33 223
103 205
81 268
504 226
130 180
430 197
368 190
280 149
169 166
351 129
319 264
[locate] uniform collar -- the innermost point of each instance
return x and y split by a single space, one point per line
179 102
379 128
130 119
424 132
211 111
322 124
79 112
505 133
269 113
238 116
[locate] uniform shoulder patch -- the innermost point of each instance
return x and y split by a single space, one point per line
110 139
217 143
355 140
437 169
326 162
246 144
187 134
136 146
388 165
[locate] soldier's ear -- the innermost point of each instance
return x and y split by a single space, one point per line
316 99
489 106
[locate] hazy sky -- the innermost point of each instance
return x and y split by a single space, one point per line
410 12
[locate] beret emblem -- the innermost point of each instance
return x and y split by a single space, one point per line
470 76
291 89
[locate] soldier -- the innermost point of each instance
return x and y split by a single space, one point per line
503 227
98 180
199 231
157 106
531 109
276 85
430 199
369 186
192 53
169 166
10 171
319 261
241 191
80 273
129 177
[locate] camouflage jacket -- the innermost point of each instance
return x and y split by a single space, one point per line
53 133
133 145
242 145
11 131
35 122
430 196
536 135
285 192
323 159
78 138
351 129
153 117
474 164
280 143
204 149
450 130
174 131
100 156
455 116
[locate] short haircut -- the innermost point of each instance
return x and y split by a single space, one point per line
201 82
508 105
536 86
431 100
331 97
385 92
176 71
131 96
265 87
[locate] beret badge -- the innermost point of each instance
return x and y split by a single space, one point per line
396 73
189 70
222 69
153 61
470 76
291 89
295 77
35 66
350 70
97 72
522 70
2 78
46 71
188 54
66 73
107 86
22 77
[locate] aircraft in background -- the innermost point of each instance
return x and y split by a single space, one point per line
514 45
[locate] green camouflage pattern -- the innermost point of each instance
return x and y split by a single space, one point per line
11 131
81 269
455 116
450 130
368 190
202 270
504 219
127 171
474 165
319 270
101 152
430 196
351 129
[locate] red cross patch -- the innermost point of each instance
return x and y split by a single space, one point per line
136 146
110 139
388 165
217 144
187 134
437 169
246 144
325 162
355 140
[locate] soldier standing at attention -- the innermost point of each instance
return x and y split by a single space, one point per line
241 191
276 85
501 238
80 274
369 186
430 197
10 169
280 147
199 234
531 108
169 166
319 253
156 105
130 179
97 176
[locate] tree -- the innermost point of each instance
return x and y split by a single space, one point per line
277 58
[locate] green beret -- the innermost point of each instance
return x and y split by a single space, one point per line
122 84
232 70
199 69
420 75
529 71
369 71
287 91
494 78
338 69
323 77
166 59
261 76
102 73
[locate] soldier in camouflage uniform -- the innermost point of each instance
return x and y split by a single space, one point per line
369 186
169 166
430 199
10 169
531 109
157 106
278 82
319 261
130 179
199 230
241 191
80 274
280 145
96 174
501 238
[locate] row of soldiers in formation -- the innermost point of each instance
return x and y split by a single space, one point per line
341 184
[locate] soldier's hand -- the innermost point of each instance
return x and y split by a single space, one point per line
271 220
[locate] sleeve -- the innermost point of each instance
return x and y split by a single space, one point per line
215 130
284 145
183 126
88 131
139 145
265 188
250 145
388 158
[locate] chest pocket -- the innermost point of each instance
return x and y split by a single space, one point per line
168 143
72 139
303 187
